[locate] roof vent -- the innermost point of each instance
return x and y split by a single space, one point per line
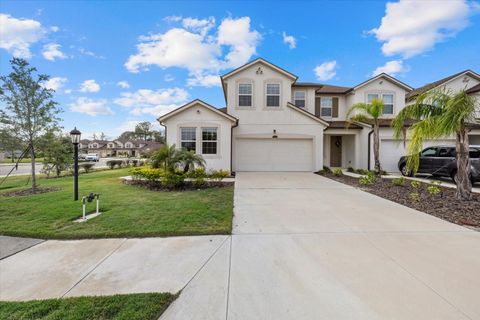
259 70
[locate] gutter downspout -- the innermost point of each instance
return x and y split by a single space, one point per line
165 131
231 147
369 149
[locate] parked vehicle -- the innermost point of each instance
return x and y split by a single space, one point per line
439 161
81 157
92 157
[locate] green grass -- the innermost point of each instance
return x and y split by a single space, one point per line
24 160
143 306
127 211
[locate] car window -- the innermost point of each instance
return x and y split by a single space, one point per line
429 152
474 153
446 153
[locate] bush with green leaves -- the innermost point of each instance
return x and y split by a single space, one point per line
87 167
337 172
324 171
368 179
218 175
114 163
350 169
147 173
400 181
197 173
172 180
434 189
415 195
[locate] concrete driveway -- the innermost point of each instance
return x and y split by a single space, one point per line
303 247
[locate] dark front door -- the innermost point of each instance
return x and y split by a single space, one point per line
335 151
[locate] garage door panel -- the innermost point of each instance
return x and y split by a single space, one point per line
274 155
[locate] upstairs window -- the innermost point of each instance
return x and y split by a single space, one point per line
387 99
326 107
273 95
299 98
245 95
209 140
188 138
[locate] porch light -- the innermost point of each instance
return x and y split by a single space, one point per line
274 136
75 135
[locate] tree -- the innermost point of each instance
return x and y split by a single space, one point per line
440 113
29 109
370 113
158 136
144 130
9 141
57 151
127 135
103 136
189 160
167 157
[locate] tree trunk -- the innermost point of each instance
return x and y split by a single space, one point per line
376 148
34 180
464 185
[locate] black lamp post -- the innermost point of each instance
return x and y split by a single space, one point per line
75 135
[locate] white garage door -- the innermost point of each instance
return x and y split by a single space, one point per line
274 155
392 150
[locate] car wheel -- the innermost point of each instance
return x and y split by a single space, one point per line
404 171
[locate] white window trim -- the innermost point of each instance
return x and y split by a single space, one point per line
237 94
330 107
267 82
305 98
380 95
181 140
216 141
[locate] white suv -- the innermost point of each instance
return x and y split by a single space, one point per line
92 157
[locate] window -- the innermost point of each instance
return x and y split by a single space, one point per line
128 145
299 98
188 138
245 95
326 107
273 95
387 99
446 153
429 152
474 153
209 140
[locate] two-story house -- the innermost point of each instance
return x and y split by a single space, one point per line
272 122
118 147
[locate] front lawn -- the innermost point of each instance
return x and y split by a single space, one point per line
143 306
127 211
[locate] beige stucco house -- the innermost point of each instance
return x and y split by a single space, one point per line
272 122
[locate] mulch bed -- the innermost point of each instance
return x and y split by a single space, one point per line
444 205
187 186
28 192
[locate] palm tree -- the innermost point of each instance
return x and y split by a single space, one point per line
370 113
167 157
438 114
189 160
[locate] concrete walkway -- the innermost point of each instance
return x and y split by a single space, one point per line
303 247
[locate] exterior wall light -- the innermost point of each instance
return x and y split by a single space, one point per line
274 136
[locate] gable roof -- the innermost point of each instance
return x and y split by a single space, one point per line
432 85
308 114
193 103
259 60
385 76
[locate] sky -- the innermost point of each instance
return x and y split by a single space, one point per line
116 63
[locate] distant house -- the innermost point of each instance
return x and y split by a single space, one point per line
118 147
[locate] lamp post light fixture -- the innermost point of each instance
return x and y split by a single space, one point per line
75 135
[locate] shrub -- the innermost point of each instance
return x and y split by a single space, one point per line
415 184
350 169
368 179
362 171
197 173
112 163
398 181
415 196
219 175
172 180
337 172
325 171
149 174
87 167
199 181
134 163
434 188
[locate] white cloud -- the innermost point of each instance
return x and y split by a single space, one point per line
55 83
17 35
168 78
54 29
89 53
157 103
392 68
326 70
123 84
51 51
196 46
89 86
289 40
68 91
91 107
199 80
413 27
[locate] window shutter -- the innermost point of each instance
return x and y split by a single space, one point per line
334 107
317 106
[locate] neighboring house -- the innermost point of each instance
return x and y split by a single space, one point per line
118 148
274 123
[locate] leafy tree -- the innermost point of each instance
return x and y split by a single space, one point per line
370 113
10 142
144 130
103 136
29 109
57 151
158 136
440 113
166 157
189 160
127 135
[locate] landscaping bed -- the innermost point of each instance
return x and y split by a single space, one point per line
141 306
443 205
185 186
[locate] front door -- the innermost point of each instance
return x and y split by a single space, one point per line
335 151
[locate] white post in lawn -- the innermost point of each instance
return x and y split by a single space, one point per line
98 202
83 202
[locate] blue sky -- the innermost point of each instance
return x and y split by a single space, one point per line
114 64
